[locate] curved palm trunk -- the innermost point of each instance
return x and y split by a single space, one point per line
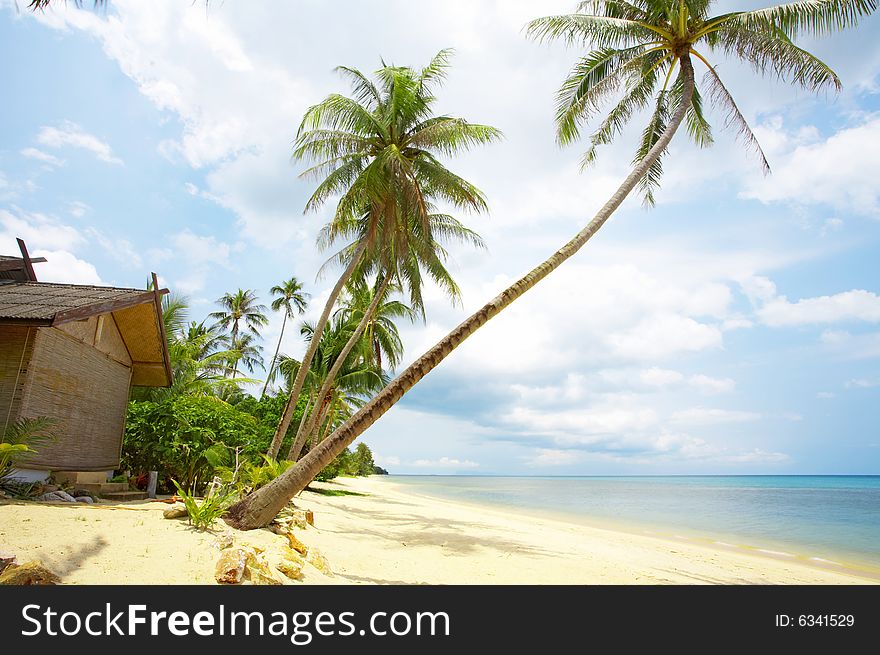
275 356
300 431
260 507
289 408
315 432
343 355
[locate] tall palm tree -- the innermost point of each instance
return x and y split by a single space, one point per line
290 298
639 45
336 371
240 307
363 310
379 151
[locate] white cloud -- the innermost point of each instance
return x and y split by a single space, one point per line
78 209
839 170
710 385
445 463
551 457
44 157
757 456
383 461
37 231
46 237
65 267
855 305
664 335
825 395
571 426
831 225
199 255
71 134
711 416
121 250
862 383
658 377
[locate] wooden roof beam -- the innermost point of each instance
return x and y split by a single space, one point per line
166 356
26 258
18 264
107 306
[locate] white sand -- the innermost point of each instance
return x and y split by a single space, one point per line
390 536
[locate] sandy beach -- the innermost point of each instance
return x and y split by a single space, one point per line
389 536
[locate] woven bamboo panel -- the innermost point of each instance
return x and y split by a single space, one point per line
110 341
86 392
16 345
106 339
139 326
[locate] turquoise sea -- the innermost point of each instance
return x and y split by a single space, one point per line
830 519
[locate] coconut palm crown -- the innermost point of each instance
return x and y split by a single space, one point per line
639 44
378 151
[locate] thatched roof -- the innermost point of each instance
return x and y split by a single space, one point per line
135 311
43 301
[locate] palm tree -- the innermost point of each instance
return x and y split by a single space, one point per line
290 297
363 310
381 333
336 372
639 45
379 151
243 350
238 307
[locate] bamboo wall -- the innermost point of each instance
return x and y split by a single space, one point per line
16 345
86 390
102 333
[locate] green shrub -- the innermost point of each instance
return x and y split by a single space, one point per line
17 442
187 438
202 515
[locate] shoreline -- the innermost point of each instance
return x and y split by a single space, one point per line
842 563
631 556
391 536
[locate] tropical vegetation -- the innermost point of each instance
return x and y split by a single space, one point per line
641 53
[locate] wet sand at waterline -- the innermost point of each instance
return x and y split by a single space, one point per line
389 536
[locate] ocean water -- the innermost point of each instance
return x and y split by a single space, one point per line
824 518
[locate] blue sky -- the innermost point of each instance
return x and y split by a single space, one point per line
735 328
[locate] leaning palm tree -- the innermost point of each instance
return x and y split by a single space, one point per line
644 51
379 151
290 298
240 307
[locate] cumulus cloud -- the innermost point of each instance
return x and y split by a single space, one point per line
855 305
47 237
199 255
710 385
65 267
710 416
838 171
38 231
72 135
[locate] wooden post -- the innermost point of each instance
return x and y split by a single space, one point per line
158 300
28 267
152 481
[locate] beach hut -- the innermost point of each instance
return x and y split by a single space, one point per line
72 352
